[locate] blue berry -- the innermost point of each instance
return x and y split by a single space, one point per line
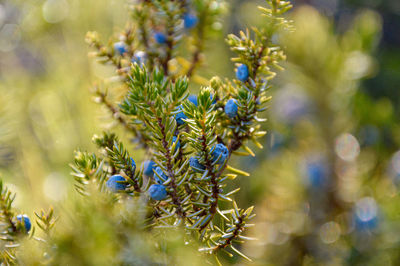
180 116
120 47
220 153
159 173
193 99
148 167
26 221
178 144
160 37
196 165
133 165
316 172
190 20
114 183
231 108
139 57
242 73
215 100
157 192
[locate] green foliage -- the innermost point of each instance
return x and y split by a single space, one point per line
154 83
13 231
46 220
156 96
87 168
325 188
9 227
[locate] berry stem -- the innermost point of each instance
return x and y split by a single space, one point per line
170 43
116 114
199 42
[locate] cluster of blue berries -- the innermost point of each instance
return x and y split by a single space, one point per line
219 155
159 175
151 170
139 57
189 21
158 191
193 99
24 219
231 106
117 183
180 116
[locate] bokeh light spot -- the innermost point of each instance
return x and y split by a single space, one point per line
357 65
366 209
291 104
329 232
10 35
2 15
396 163
55 11
347 147
55 187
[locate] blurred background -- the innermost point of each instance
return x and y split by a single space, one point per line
325 186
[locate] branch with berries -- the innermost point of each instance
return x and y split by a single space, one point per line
17 228
189 138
